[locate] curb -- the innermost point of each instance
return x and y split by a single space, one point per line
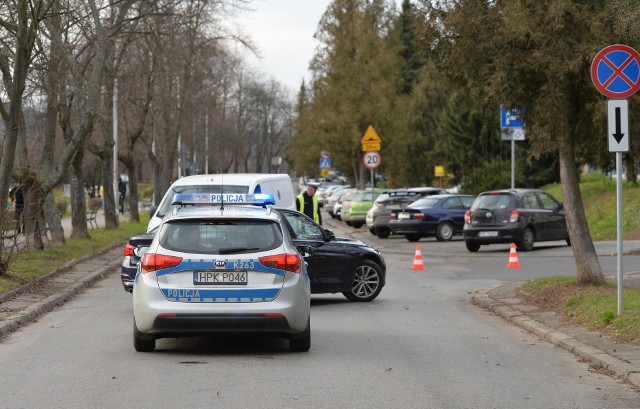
597 357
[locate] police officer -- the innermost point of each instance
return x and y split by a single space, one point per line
307 203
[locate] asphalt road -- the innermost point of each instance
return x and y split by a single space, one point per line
421 344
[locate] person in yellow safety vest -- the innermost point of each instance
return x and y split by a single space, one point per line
307 203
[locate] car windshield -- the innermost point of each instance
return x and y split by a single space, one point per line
220 236
425 203
165 206
494 201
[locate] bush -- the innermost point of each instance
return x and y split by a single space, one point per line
95 202
490 176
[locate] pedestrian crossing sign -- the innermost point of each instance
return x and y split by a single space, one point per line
325 163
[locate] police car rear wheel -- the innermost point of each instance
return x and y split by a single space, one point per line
301 342
140 344
366 282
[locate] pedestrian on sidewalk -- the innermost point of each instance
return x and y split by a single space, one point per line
122 188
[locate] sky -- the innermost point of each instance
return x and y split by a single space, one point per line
283 32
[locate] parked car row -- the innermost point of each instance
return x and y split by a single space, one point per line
520 216
440 216
379 216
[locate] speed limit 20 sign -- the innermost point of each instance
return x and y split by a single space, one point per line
371 160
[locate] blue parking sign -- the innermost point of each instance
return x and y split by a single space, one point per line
511 118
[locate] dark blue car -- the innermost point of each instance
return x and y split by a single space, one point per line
441 216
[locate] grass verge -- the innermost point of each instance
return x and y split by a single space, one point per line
599 199
588 306
29 265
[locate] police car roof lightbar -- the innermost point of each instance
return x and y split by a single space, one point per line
194 199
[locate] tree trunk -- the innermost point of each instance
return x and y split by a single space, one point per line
587 263
34 226
79 228
53 220
134 216
109 200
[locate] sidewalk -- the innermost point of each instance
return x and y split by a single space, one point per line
617 359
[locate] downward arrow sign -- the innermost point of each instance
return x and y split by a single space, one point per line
618 129
618 135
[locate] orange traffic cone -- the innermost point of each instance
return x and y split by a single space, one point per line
513 258
417 260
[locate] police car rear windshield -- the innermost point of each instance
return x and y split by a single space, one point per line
221 236
165 206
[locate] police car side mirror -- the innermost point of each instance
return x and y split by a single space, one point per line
307 251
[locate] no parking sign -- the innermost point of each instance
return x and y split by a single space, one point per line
616 72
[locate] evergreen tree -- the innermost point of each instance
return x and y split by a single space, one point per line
354 80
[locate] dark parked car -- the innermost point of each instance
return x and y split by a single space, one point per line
339 265
441 216
520 216
379 215
132 256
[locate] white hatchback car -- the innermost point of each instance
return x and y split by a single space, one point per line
220 264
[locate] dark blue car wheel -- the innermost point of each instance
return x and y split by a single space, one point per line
445 231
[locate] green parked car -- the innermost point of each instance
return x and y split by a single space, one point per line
354 210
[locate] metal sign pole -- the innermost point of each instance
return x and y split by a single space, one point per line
513 164
619 228
371 185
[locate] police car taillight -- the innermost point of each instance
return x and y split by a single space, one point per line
153 262
288 262
128 250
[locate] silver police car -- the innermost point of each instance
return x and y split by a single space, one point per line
222 263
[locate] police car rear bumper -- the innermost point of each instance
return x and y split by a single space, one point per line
184 324
156 316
